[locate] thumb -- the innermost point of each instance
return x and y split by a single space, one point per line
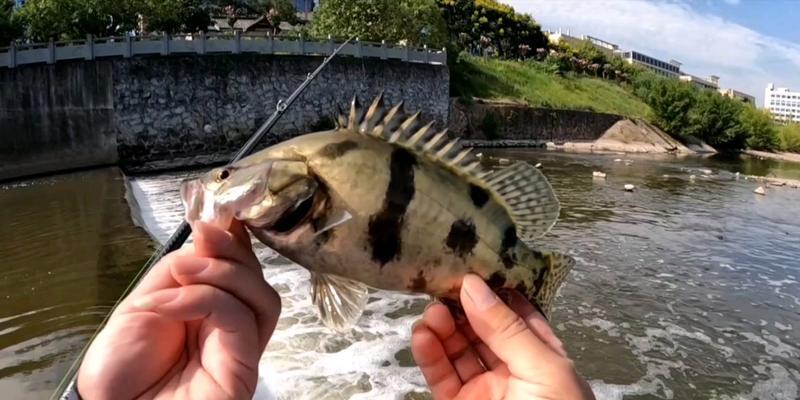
213 242
506 334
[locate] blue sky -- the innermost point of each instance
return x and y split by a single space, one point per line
748 43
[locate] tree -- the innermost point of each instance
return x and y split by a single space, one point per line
275 12
489 27
715 119
173 16
670 100
789 135
74 19
414 21
10 28
762 133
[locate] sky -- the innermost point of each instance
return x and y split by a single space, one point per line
747 43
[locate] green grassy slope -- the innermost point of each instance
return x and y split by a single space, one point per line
528 83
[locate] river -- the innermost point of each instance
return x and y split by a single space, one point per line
684 288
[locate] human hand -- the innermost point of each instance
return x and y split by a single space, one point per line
195 327
502 353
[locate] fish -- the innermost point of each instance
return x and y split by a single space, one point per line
384 201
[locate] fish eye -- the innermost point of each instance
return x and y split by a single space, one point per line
222 175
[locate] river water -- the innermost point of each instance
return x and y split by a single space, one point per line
684 288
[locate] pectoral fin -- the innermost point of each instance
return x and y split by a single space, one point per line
340 301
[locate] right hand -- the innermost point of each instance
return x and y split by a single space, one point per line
503 353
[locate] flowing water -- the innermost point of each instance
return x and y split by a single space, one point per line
68 247
684 288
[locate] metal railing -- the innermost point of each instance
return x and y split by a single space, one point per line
236 43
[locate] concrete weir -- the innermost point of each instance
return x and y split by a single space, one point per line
157 112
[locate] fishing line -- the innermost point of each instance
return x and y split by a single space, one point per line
68 382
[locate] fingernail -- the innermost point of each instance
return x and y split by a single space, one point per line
153 300
190 265
479 293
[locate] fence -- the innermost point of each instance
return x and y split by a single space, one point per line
129 46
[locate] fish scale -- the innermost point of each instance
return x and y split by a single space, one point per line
381 202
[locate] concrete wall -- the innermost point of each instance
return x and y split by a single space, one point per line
151 113
486 121
54 118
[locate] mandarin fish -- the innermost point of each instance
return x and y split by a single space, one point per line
383 201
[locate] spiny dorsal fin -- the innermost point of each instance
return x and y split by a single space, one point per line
520 188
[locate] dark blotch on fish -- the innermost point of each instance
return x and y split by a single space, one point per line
386 225
507 255
336 150
462 238
478 195
454 306
539 282
496 280
418 283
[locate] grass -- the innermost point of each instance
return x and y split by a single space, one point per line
532 84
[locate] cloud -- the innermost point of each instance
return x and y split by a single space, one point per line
706 44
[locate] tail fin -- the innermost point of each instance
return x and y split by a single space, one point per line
550 278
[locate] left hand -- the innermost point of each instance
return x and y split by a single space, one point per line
195 327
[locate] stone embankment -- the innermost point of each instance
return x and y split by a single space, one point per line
153 113
484 124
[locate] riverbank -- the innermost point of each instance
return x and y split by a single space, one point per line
497 124
778 155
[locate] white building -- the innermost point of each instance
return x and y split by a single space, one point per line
610 49
670 69
782 103
742 96
712 83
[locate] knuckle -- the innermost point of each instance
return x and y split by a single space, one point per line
508 325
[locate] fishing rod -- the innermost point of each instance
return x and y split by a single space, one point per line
66 389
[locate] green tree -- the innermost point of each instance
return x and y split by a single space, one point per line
670 100
10 28
487 25
74 19
789 135
416 21
173 16
762 132
716 120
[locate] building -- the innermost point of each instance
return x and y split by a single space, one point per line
712 83
782 103
671 69
610 49
735 94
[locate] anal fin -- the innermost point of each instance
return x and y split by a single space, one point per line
339 301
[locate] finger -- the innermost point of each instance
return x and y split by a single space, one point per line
159 277
536 321
488 358
505 332
238 231
429 355
249 288
457 348
210 241
227 352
